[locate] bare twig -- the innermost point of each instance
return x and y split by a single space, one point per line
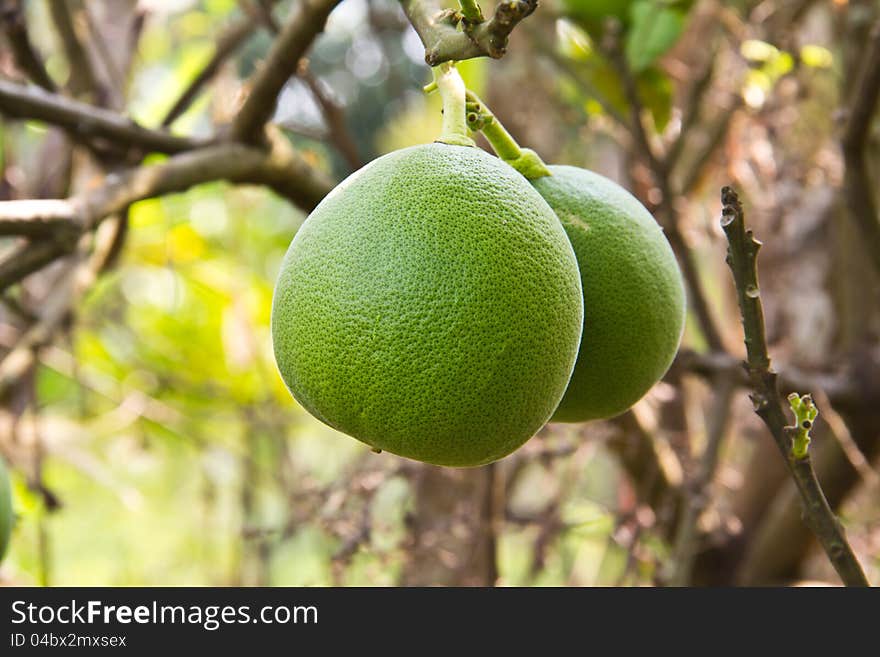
30 257
227 43
26 56
261 10
637 450
578 76
443 40
112 64
665 208
693 106
281 63
55 308
135 31
716 134
844 438
841 390
858 183
742 259
698 495
493 516
335 118
82 120
83 78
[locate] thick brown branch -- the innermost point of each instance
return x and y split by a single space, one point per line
82 120
858 182
36 218
279 168
444 41
295 39
742 258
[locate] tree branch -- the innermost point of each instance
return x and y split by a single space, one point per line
84 120
335 118
840 389
83 78
858 184
29 258
697 490
666 209
279 168
742 259
637 450
850 448
227 43
443 41
261 11
576 74
295 39
36 218
15 26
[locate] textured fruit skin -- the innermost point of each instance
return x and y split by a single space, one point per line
634 298
6 516
430 306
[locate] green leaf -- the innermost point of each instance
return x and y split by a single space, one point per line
655 29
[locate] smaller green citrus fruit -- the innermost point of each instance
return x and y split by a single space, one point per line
634 299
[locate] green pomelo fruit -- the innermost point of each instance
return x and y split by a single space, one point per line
430 306
634 299
6 516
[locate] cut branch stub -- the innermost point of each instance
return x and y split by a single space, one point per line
453 36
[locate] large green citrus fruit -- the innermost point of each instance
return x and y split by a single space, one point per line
634 300
430 306
6 516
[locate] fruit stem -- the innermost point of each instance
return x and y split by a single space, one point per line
452 91
524 160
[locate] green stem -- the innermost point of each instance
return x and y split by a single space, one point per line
524 160
452 91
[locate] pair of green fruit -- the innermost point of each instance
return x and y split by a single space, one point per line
439 305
